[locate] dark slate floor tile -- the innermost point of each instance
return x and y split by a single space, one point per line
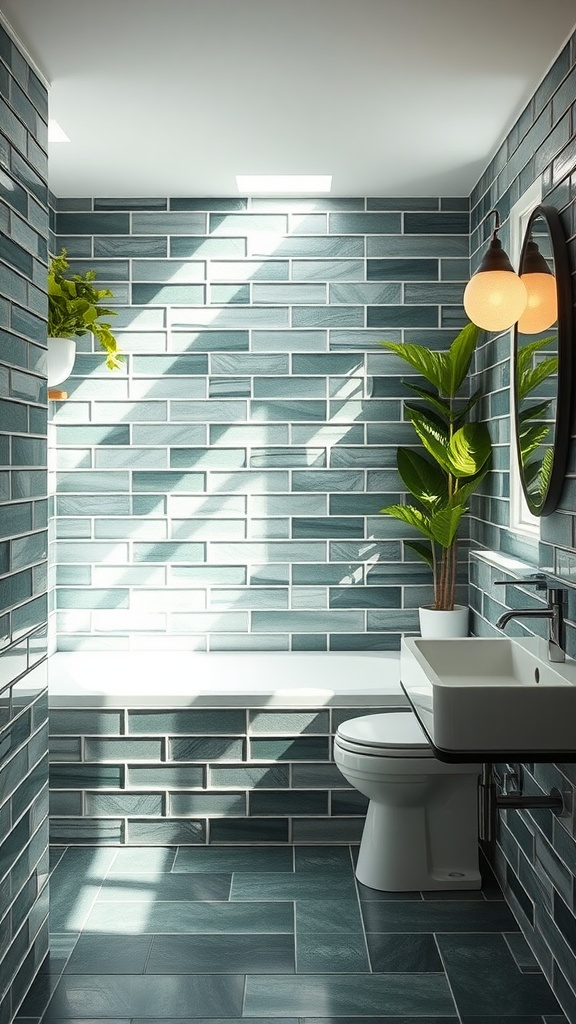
367 894
331 954
467 895
485 979
323 858
165 886
234 858
370 1020
397 954
110 954
299 886
221 954
198 918
499 1019
362 994
443 916
182 995
324 916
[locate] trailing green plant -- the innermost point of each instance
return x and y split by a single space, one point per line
456 457
74 308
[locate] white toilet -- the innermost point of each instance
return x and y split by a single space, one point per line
421 829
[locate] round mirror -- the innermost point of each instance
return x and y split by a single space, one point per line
543 362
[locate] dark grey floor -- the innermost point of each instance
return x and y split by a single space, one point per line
281 934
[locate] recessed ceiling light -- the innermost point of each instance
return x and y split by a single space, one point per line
56 133
284 182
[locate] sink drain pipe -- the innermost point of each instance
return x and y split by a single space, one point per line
490 800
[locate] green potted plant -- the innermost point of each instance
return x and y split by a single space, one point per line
441 478
74 309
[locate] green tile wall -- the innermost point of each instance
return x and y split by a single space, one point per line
237 446
212 775
23 526
535 852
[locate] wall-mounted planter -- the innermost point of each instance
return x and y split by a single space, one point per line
61 356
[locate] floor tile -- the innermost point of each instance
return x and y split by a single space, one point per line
443 916
499 1019
182 995
323 858
221 954
110 954
165 886
372 1020
470 960
74 886
331 954
234 858
302 885
143 858
379 895
336 995
324 916
189 917
403 953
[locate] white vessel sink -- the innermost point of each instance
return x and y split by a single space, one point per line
491 696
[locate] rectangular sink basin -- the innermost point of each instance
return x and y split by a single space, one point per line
491 698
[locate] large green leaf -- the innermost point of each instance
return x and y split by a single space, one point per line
470 449
444 524
435 439
532 437
411 515
532 412
460 357
531 378
431 365
526 353
424 551
439 404
424 479
466 488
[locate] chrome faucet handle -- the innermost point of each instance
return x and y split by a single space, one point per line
536 579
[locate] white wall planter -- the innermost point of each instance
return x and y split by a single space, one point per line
442 624
61 356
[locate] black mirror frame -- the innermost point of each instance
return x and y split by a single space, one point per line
562 422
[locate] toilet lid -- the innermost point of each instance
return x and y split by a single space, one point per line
397 729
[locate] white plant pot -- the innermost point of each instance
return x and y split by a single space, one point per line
61 356
441 624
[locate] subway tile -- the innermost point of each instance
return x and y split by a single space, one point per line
167 294
92 223
201 247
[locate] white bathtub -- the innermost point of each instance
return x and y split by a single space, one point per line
230 679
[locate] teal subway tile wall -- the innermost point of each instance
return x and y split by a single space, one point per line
23 528
535 853
222 491
196 776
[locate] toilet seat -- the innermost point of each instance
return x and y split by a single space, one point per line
396 734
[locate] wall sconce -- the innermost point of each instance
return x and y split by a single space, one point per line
542 307
495 297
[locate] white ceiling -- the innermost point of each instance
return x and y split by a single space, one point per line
392 97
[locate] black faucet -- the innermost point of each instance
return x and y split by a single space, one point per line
553 611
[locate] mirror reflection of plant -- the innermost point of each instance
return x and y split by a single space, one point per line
74 308
456 460
533 433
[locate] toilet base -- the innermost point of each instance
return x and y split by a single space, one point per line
405 849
